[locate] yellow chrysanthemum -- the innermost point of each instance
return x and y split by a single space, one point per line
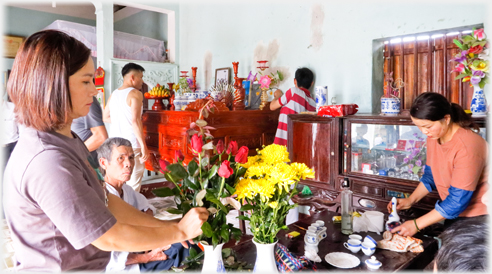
273 204
252 160
273 154
302 170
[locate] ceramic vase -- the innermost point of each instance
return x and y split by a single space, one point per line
265 258
390 105
478 105
212 261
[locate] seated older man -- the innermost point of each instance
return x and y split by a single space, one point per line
116 160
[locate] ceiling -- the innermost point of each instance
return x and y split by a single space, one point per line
80 10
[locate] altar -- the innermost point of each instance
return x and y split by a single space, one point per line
165 130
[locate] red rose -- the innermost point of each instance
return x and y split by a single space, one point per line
475 50
178 155
225 169
242 155
196 144
163 164
220 147
232 148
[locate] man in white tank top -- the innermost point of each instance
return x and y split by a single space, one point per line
124 112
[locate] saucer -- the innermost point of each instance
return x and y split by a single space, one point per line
342 260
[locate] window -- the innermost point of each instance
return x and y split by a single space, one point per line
425 65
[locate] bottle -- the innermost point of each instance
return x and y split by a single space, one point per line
346 198
166 59
393 218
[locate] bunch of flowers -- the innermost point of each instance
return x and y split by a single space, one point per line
266 188
417 156
473 61
207 180
267 81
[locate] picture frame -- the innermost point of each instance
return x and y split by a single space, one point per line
222 74
11 45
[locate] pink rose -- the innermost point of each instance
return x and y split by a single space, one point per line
163 165
460 68
196 144
232 148
178 155
479 34
242 155
225 169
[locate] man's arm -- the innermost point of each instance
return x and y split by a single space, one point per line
106 114
135 101
275 104
143 232
99 135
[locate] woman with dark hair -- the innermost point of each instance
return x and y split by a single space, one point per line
456 164
58 212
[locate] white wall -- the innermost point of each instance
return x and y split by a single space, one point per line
332 38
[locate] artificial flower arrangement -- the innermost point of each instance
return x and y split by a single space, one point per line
206 181
267 81
473 61
266 188
417 156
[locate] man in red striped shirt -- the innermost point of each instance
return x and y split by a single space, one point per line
297 99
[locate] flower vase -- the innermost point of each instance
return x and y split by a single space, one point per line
265 258
390 105
212 261
478 105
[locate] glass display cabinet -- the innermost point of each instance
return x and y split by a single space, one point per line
382 156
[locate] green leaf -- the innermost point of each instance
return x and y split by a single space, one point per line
174 211
211 198
214 158
178 171
192 167
481 84
176 191
205 161
224 232
213 171
226 252
461 76
242 217
230 189
191 184
205 183
246 207
207 229
458 43
280 75
215 240
163 192
193 252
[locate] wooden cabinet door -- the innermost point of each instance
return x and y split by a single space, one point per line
314 142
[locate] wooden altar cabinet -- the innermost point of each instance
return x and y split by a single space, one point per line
165 131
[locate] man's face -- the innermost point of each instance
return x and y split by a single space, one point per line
120 167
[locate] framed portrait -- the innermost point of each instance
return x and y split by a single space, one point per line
11 45
222 74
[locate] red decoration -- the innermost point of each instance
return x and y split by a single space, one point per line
193 70
239 93
99 77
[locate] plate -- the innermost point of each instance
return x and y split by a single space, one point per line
342 260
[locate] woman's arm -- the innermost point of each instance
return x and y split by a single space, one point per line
136 231
409 228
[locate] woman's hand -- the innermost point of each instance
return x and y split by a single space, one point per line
401 204
406 229
191 223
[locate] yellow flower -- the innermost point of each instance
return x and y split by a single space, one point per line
273 154
251 161
302 170
273 204
482 65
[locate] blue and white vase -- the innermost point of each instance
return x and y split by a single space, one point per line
321 94
478 105
390 105
212 262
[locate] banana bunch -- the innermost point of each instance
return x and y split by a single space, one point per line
159 91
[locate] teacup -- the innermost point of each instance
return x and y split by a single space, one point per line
312 229
369 239
321 234
368 248
355 237
321 223
352 245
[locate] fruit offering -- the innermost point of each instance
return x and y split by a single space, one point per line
158 91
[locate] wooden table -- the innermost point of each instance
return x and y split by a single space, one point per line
391 261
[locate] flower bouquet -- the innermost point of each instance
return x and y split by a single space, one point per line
473 61
266 188
206 181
